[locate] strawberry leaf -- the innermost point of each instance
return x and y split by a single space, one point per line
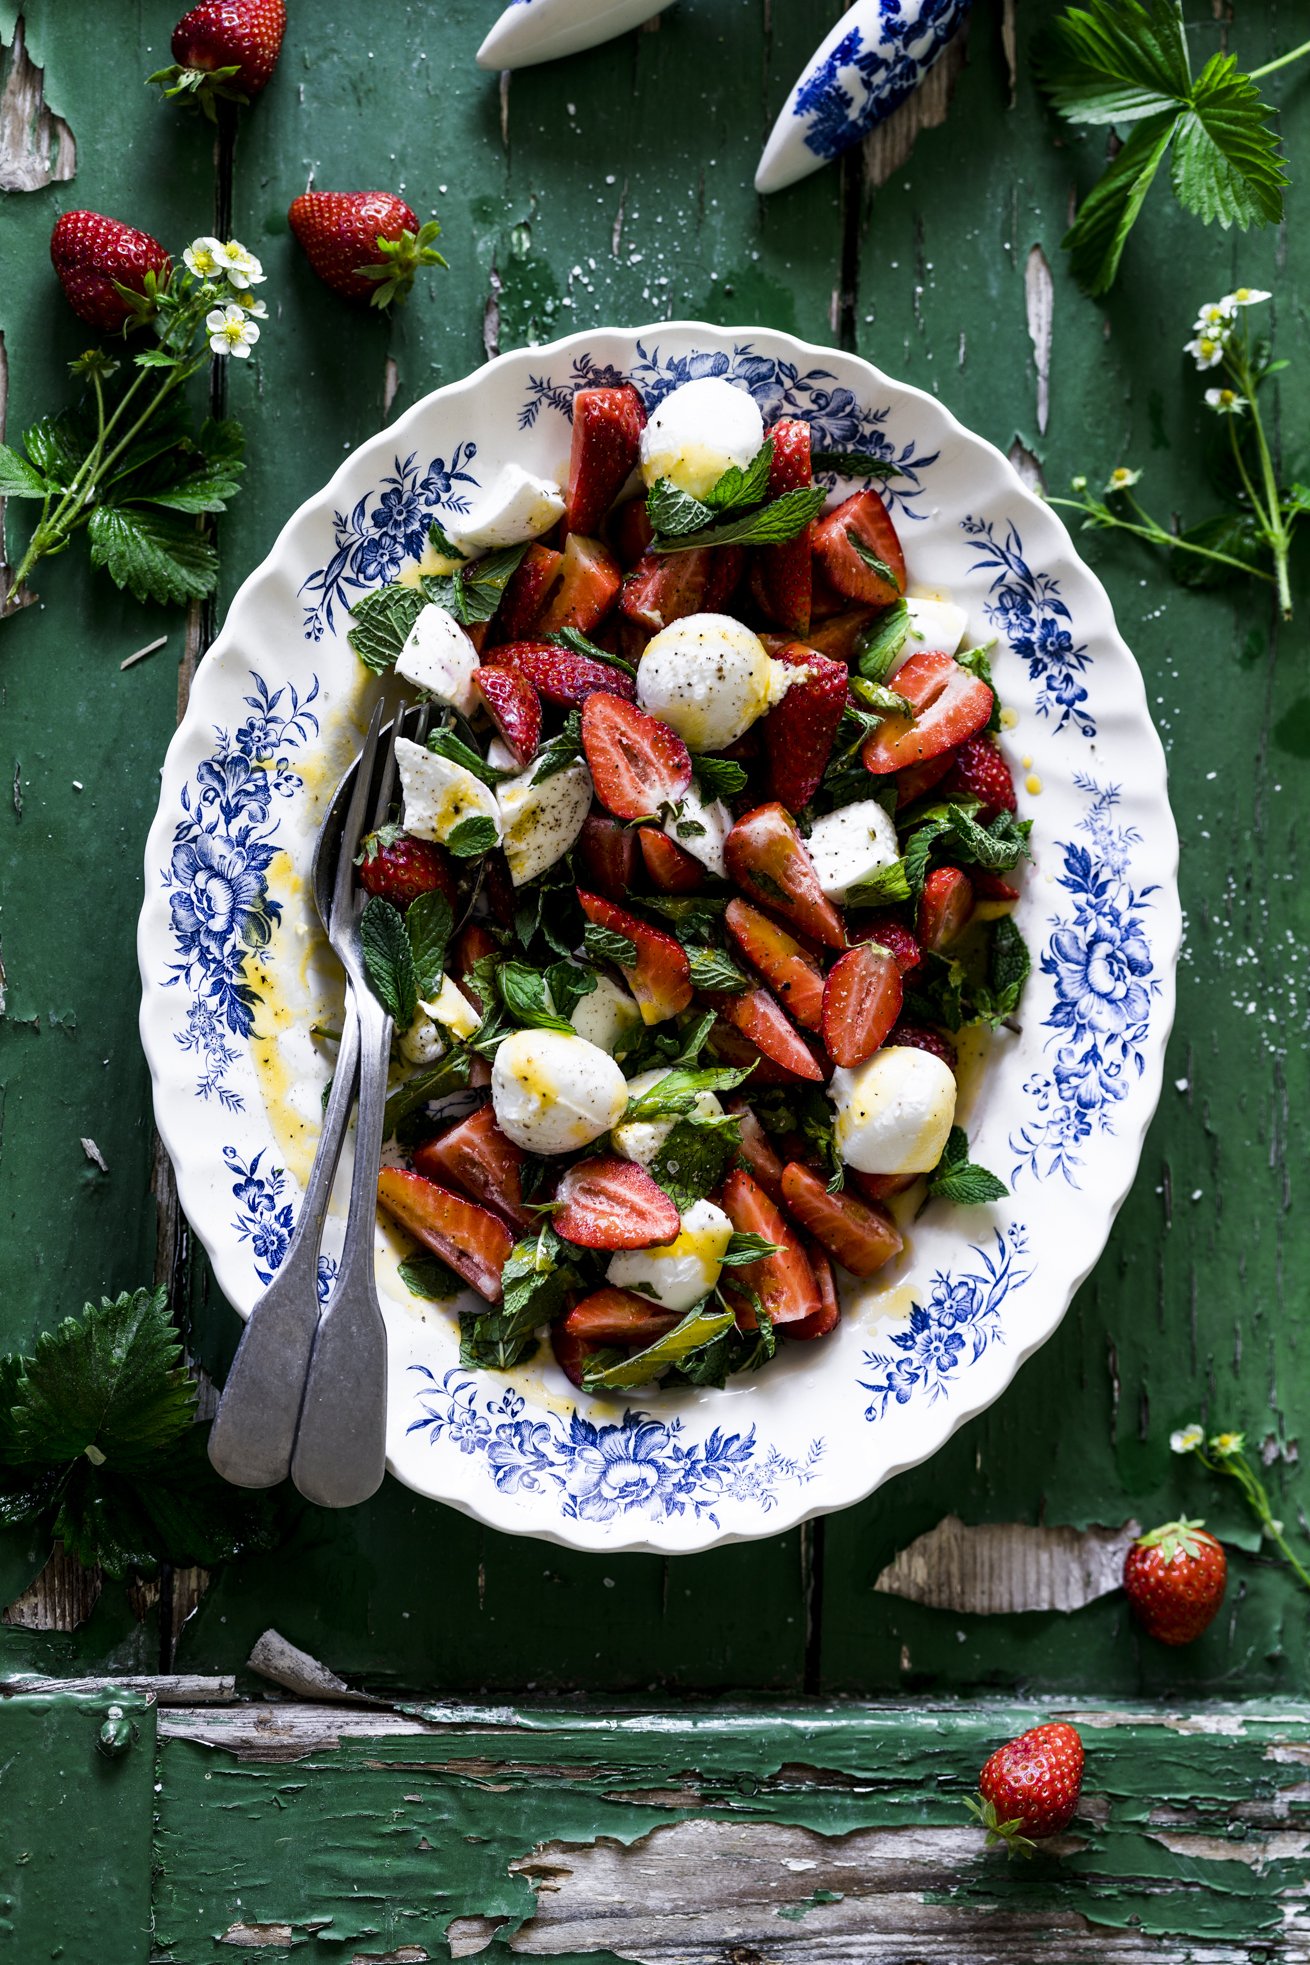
109 1387
154 557
1226 167
19 479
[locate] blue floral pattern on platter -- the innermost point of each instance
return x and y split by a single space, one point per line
960 1321
633 1465
1027 609
217 878
872 69
1099 957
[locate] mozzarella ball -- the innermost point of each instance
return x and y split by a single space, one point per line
439 795
607 1017
709 678
552 1093
715 821
422 1043
515 506
677 1274
439 657
935 622
851 845
894 1112
641 1139
542 821
697 432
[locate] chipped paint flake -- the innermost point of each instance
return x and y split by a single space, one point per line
36 146
1039 301
995 1568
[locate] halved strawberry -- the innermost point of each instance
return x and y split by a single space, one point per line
795 977
945 908
828 1315
474 1154
607 427
498 888
768 859
762 1163
631 531
613 1316
880 1188
756 1015
660 979
917 779
783 576
799 731
473 942
589 584
400 867
893 935
664 587
572 1353
608 1203
866 518
637 763
989 886
730 1047
558 674
727 564
949 705
471 1239
862 1238
524 599
607 855
513 706
785 1282
922 1037
861 1001
981 772
839 635
670 866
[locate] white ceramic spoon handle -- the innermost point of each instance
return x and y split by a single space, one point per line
875 57
530 31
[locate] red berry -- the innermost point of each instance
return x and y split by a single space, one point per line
245 35
945 908
1030 1786
343 233
608 1203
637 764
607 427
1175 1579
981 772
920 1037
800 730
863 518
783 576
90 253
399 867
514 707
949 703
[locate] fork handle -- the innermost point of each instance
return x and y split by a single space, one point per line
341 1446
254 1430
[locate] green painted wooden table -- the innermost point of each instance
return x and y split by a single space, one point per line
609 188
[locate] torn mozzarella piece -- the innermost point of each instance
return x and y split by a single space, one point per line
542 821
709 678
697 432
552 1093
641 1139
514 507
715 820
607 1016
894 1112
449 1009
439 795
677 1274
851 845
935 622
439 657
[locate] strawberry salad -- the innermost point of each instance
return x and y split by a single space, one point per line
702 869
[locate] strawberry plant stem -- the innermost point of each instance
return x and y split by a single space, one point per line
1230 1460
1283 61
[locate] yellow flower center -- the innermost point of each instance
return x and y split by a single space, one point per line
233 331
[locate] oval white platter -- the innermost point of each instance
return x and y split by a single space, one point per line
234 972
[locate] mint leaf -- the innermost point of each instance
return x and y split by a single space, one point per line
441 543
533 1281
19 479
694 1158
606 945
563 749
978 662
428 923
718 777
110 1387
471 837
877 696
690 914
672 512
744 1248
568 982
474 592
675 1095
389 960
956 1178
152 556
882 889
410 1100
852 464
444 743
1226 166
383 621
871 559
523 992
579 644
737 488
877 648
772 525
485 1343
427 1276
1009 962
699 1327
711 969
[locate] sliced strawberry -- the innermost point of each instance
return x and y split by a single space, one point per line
945 908
513 706
498 888
661 977
855 1234
785 1282
828 1315
473 942
558 674
768 859
730 1047
671 868
607 427
893 935
989 886
400 869
756 1150
631 531
608 1203
917 779
949 705
878 1188
839 635
799 731
922 1037
471 1239
524 599
572 1353
589 584
477 1156
981 772
861 1002
795 977
613 1316
782 577
727 564
866 518
607 855
756 1015
637 763
664 587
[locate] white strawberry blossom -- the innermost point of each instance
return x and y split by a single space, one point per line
1227 402
1206 350
231 331
1187 1439
1214 317
1244 297
201 258
1121 478
239 267
253 308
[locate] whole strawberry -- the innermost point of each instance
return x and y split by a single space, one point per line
399 867
224 48
365 245
94 256
1029 1788
1175 1579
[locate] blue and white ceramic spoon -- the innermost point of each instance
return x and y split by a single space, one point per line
875 57
530 31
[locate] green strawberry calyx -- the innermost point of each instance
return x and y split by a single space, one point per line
401 259
1007 1835
1174 1540
205 85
